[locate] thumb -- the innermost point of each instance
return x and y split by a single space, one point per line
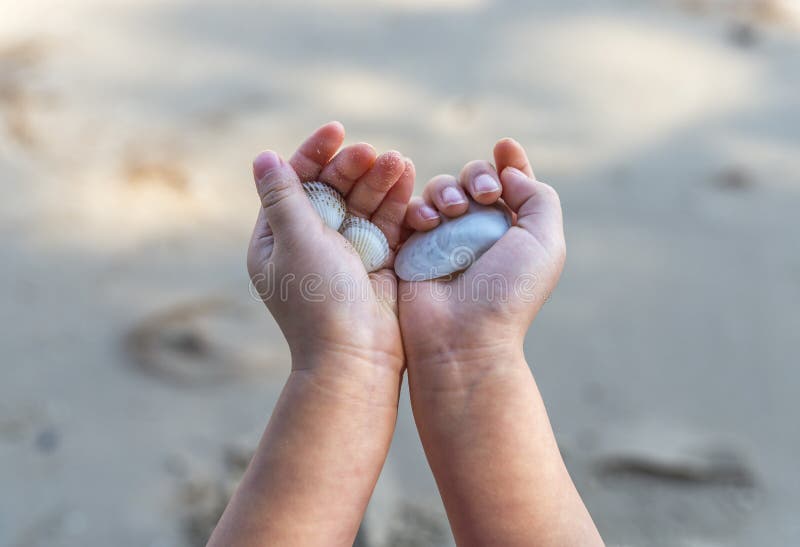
286 207
537 206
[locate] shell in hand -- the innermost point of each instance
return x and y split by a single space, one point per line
368 240
328 203
453 245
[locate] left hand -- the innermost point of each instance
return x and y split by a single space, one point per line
482 314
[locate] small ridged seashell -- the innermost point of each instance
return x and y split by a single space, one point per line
328 203
453 245
368 240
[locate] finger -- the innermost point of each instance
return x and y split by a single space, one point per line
317 150
368 192
537 205
348 166
533 250
509 153
444 192
481 181
392 211
421 216
286 207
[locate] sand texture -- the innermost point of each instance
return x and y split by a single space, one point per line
137 371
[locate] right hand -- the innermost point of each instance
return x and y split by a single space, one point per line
298 265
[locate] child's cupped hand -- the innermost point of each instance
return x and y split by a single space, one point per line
308 275
473 324
326 304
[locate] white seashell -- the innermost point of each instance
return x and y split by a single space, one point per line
453 245
328 203
368 240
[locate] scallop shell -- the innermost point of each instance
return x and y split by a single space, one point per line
453 245
368 240
328 203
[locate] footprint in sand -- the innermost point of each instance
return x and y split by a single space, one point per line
772 12
416 525
206 342
203 497
734 179
674 484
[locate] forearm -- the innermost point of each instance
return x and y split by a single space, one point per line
491 448
319 458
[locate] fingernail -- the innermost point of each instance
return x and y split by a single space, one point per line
264 163
451 196
485 184
428 213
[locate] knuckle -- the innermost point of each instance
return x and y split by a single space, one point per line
411 214
436 184
475 168
338 173
389 217
478 165
275 192
441 180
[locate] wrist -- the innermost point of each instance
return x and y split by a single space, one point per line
460 370
357 349
350 377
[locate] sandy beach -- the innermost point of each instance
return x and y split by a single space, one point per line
138 371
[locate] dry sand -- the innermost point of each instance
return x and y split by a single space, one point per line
137 369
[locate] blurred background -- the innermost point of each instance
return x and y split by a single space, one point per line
137 372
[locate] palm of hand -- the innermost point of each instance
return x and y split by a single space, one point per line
309 276
490 305
351 311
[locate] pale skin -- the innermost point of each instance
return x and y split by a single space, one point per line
479 414
480 417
